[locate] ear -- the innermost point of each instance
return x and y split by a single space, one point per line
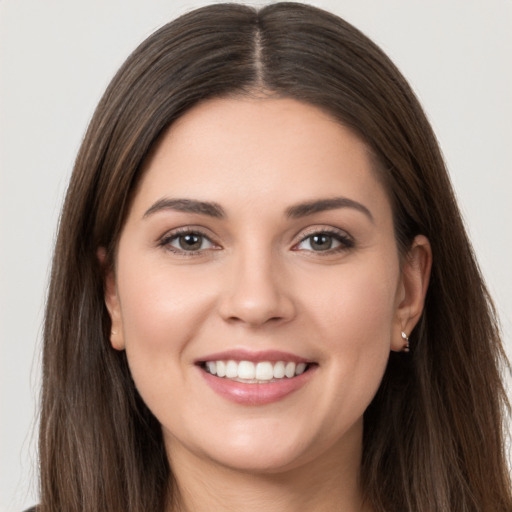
412 290
112 303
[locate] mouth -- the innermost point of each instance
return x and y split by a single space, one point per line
260 372
255 378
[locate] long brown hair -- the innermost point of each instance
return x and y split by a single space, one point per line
433 435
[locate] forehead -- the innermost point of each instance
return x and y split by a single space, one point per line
259 150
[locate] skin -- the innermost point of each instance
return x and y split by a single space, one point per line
258 283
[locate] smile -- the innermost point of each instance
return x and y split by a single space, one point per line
255 378
255 373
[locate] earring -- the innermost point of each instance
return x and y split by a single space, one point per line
406 346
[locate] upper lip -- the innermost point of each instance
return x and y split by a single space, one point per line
255 356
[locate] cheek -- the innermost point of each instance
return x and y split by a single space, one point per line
157 303
357 305
161 312
354 323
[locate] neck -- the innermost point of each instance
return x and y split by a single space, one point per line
328 483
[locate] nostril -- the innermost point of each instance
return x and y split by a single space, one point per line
254 318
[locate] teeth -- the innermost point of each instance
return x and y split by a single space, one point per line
221 368
301 367
279 370
289 370
264 371
231 370
246 370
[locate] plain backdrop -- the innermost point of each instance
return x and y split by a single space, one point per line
56 58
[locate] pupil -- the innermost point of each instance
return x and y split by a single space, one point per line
190 242
321 242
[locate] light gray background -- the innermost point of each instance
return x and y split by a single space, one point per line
56 58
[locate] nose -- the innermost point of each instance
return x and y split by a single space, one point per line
256 292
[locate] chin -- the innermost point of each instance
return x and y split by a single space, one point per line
265 446
257 461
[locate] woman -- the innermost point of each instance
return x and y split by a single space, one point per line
261 287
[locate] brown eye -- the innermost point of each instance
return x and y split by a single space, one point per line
321 242
190 242
325 241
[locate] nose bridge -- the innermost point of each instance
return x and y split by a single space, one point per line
257 291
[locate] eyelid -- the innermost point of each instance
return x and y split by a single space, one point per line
168 236
342 236
322 228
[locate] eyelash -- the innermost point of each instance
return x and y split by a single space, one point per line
345 241
166 240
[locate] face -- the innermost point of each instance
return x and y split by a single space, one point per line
257 288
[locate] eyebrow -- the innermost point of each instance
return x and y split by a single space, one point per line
187 205
297 211
322 205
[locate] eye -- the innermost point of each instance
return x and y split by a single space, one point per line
324 241
187 241
319 242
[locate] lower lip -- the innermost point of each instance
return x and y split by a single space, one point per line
256 394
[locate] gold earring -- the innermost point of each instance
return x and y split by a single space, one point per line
405 347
